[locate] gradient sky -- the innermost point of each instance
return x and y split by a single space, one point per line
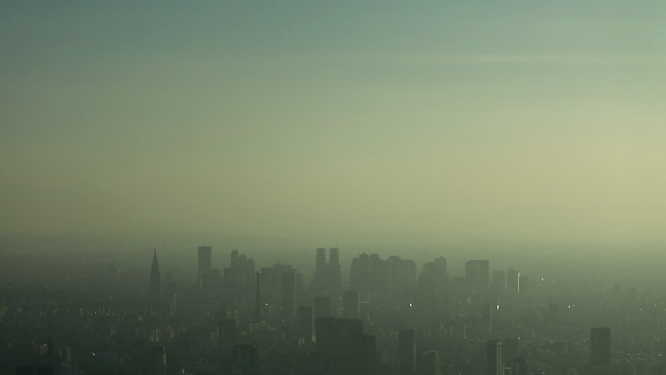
542 120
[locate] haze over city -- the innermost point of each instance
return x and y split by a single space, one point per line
299 187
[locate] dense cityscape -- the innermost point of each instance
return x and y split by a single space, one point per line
98 315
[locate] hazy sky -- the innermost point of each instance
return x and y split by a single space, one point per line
528 119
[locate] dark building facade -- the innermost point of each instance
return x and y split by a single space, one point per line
600 346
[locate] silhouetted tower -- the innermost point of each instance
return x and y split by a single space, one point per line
406 352
289 293
513 281
155 278
334 272
305 323
257 299
351 305
477 274
600 346
494 364
322 307
204 261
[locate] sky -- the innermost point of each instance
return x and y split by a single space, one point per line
528 120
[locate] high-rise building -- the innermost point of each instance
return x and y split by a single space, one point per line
240 273
245 359
494 364
477 275
305 323
518 366
499 282
524 284
328 276
289 293
343 348
513 281
204 261
406 352
600 346
322 307
155 278
351 305
511 348
429 364
257 298
333 271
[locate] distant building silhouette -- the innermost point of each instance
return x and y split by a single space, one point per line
494 364
323 307
477 275
204 261
343 348
328 275
406 352
289 294
155 278
499 282
351 305
305 327
513 281
600 346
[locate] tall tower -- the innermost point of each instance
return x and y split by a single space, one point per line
155 278
477 274
289 293
600 346
494 364
513 281
406 352
351 305
204 260
257 299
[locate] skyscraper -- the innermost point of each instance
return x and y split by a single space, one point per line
333 271
322 307
406 352
494 364
499 281
204 261
257 298
351 305
305 323
600 346
513 281
155 278
289 293
477 274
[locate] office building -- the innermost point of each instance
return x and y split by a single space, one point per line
406 352
305 327
513 281
477 275
204 261
494 364
499 282
351 305
155 278
289 294
343 348
600 346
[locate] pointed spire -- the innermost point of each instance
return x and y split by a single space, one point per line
155 267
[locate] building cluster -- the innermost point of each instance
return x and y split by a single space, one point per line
120 318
